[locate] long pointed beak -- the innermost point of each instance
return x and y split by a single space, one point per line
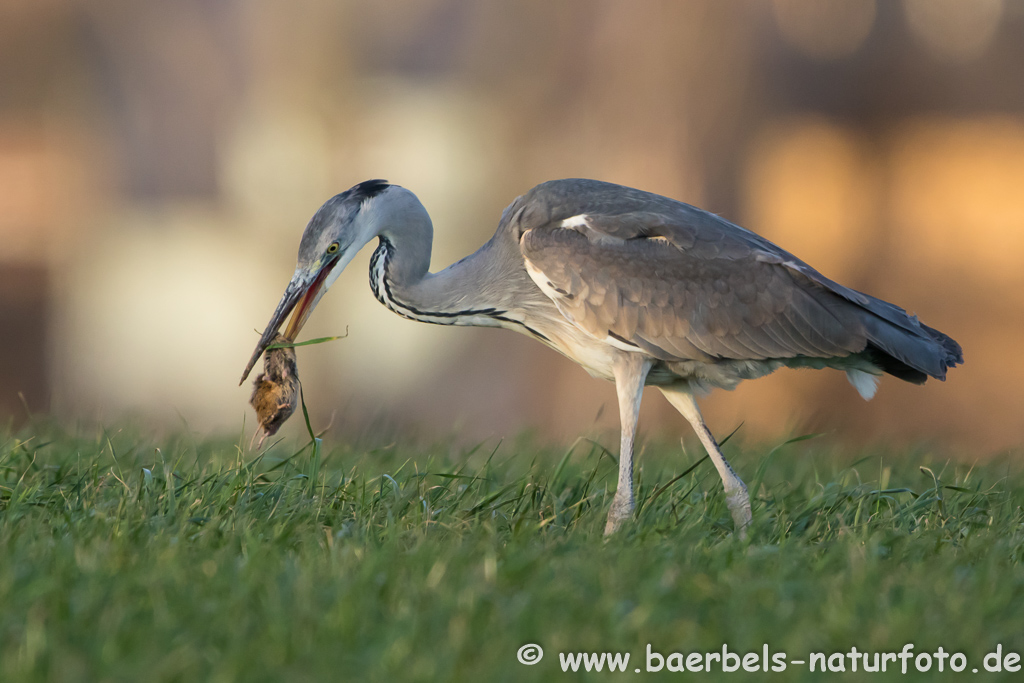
301 295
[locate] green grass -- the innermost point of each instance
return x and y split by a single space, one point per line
123 558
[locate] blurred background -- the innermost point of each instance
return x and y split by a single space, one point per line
158 162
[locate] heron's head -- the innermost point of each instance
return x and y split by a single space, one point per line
338 230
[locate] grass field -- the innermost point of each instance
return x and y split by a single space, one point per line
129 559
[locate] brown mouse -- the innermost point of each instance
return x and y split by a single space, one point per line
275 393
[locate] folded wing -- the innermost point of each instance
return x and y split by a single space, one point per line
646 271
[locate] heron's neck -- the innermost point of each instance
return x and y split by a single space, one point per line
461 294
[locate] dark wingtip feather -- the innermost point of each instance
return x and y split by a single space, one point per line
895 367
954 354
914 358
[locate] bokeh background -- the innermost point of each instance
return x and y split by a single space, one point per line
158 162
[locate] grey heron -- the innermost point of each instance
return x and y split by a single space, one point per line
637 288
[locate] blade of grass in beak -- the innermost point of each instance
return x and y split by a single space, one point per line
318 340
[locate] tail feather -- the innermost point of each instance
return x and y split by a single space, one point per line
910 354
865 383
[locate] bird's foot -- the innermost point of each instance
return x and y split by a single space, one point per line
620 512
739 506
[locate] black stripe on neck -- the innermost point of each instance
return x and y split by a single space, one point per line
381 257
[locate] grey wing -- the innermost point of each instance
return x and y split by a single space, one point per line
681 283
679 306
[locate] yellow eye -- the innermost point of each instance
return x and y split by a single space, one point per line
333 249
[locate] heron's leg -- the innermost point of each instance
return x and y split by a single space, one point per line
735 490
630 373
